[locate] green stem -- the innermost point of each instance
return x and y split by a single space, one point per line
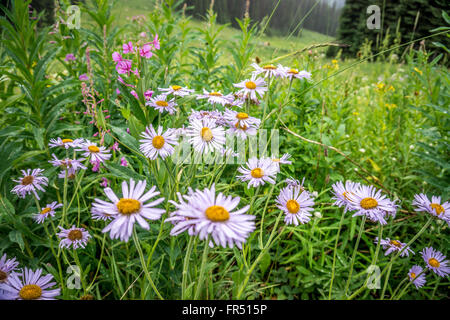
355 250
387 279
186 267
144 265
334 255
202 269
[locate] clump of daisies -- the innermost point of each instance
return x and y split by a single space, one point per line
207 215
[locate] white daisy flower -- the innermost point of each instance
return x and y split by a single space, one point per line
66 143
369 201
205 135
394 246
73 237
283 160
253 88
162 103
30 285
177 90
216 97
341 193
242 131
96 154
129 209
215 115
31 181
291 73
296 203
242 119
268 70
259 172
434 207
214 216
48 210
158 143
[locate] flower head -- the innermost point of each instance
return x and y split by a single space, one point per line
205 135
129 209
258 172
31 181
394 246
283 160
30 285
216 97
268 70
434 207
162 103
435 261
253 88
417 276
65 143
296 203
48 210
96 154
207 214
7 266
177 90
158 143
341 192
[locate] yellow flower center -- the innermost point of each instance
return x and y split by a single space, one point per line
215 94
238 126
437 207
128 206
250 85
3 276
434 263
67 140
276 160
292 206
242 116
217 214
257 173
176 88
75 235
369 203
30 292
293 71
158 142
413 275
269 67
27 180
161 103
206 134
45 210
395 243
94 149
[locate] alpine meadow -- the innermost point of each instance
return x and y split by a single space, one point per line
214 150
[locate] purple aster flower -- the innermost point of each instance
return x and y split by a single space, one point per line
393 246
31 181
30 285
296 203
435 261
73 237
48 210
416 276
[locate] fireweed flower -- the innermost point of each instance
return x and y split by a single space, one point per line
116 57
128 48
31 181
155 42
66 143
7 266
242 119
268 70
83 77
148 94
215 97
434 207
146 51
30 285
177 91
157 143
48 210
205 135
258 172
296 203
413 274
435 261
69 57
129 209
123 162
283 160
96 154
341 192
73 237
162 103
123 66
393 246
214 216
252 88
368 201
